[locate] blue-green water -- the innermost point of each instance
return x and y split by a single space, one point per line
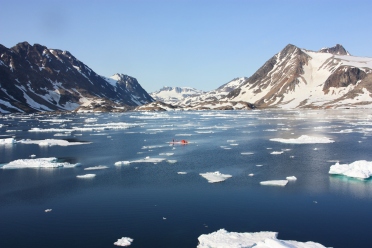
158 207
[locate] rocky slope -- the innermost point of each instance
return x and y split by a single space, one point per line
35 78
298 78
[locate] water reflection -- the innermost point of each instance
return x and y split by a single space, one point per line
350 186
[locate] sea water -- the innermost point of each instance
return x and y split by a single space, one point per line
168 203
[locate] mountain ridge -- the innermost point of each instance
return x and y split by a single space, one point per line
36 78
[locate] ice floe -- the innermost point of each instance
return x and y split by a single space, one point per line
276 152
48 210
361 169
7 141
98 167
145 160
51 142
246 153
124 241
305 139
223 238
181 173
86 176
37 163
275 182
215 177
291 178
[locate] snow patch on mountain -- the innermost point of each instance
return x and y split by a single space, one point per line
175 94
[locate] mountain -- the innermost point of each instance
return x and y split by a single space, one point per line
171 95
35 78
299 78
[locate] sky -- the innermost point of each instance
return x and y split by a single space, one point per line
188 43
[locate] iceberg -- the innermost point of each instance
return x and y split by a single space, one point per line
124 241
223 238
275 182
37 163
361 169
305 139
215 177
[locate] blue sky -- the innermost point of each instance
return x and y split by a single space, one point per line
196 43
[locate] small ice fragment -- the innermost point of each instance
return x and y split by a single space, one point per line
86 176
275 182
259 165
33 156
215 177
246 153
98 167
291 178
48 210
124 241
182 173
172 161
251 175
119 163
276 152
164 218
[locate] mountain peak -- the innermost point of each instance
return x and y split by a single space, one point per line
337 50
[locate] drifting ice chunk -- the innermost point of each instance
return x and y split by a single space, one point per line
119 163
182 173
275 182
361 169
98 167
223 238
172 161
276 152
37 163
305 139
215 177
291 178
52 142
48 210
7 141
246 153
124 241
86 176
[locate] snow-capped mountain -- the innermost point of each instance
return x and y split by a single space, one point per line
172 95
36 78
299 78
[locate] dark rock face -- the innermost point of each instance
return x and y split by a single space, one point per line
343 77
337 50
35 78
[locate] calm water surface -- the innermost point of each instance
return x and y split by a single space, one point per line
157 207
